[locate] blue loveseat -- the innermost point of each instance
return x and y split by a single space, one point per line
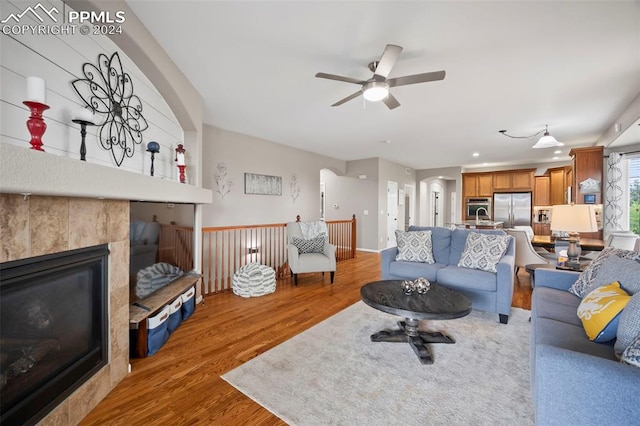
575 381
488 291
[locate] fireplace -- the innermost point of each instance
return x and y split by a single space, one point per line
53 329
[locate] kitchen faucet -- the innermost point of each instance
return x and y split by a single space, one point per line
478 211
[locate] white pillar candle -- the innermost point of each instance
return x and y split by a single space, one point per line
84 114
36 90
181 159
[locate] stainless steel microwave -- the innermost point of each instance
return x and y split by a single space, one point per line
475 204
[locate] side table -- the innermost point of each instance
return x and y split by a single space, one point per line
531 269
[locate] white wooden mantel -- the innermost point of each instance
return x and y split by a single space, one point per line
26 171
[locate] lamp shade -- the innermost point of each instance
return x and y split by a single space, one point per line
573 218
547 141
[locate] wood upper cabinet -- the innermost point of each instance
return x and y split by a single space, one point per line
587 164
502 181
469 185
513 180
477 185
485 185
522 180
557 186
541 191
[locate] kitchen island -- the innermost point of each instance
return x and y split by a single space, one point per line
481 224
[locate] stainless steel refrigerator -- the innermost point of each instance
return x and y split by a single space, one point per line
512 208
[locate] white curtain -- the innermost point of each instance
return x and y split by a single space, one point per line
616 207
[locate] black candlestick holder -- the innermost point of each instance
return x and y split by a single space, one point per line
83 133
153 148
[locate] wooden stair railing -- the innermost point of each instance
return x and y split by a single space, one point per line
225 249
175 246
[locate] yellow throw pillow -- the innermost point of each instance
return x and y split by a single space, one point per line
600 309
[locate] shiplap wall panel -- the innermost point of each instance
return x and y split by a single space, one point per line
58 59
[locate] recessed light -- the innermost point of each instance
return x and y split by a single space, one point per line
440 177
485 164
556 158
475 154
557 152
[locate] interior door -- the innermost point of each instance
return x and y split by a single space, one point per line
392 212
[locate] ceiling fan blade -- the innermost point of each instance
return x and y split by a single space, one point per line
387 60
339 78
416 78
348 98
390 101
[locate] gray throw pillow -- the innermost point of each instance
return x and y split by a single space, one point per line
483 251
414 246
585 282
314 245
614 268
628 325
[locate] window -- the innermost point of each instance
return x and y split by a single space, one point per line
634 194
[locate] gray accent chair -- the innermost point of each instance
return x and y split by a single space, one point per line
301 263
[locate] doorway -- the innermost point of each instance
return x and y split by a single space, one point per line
409 206
392 212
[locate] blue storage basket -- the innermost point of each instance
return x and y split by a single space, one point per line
157 333
188 303
175 314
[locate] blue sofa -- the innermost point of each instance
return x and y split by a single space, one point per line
575 381
488 291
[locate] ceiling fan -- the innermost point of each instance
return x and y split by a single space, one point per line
377 87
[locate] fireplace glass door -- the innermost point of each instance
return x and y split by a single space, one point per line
53 329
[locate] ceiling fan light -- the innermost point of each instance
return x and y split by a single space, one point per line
375 91
547 141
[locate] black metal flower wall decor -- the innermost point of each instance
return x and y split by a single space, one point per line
108 91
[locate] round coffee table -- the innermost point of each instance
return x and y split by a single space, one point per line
439 303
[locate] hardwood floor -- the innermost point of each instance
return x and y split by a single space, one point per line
181 383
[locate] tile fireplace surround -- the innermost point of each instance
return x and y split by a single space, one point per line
75 204
41 225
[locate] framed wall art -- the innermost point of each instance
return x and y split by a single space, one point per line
262 184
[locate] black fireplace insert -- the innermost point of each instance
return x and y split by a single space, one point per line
53 329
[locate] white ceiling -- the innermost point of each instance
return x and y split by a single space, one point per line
514 65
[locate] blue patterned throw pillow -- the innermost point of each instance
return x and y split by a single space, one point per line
314 245
631 355
414 246
483 251
628 325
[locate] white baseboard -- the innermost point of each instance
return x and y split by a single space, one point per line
368 250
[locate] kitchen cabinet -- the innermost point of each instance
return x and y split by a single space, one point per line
557 185
502 181
541 229
522 180
587 164
477 185
541 191
513 180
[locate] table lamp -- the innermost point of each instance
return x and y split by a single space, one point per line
573 218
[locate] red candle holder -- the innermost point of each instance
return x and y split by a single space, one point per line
182 175
36 124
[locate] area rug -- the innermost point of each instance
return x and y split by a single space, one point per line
332 374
